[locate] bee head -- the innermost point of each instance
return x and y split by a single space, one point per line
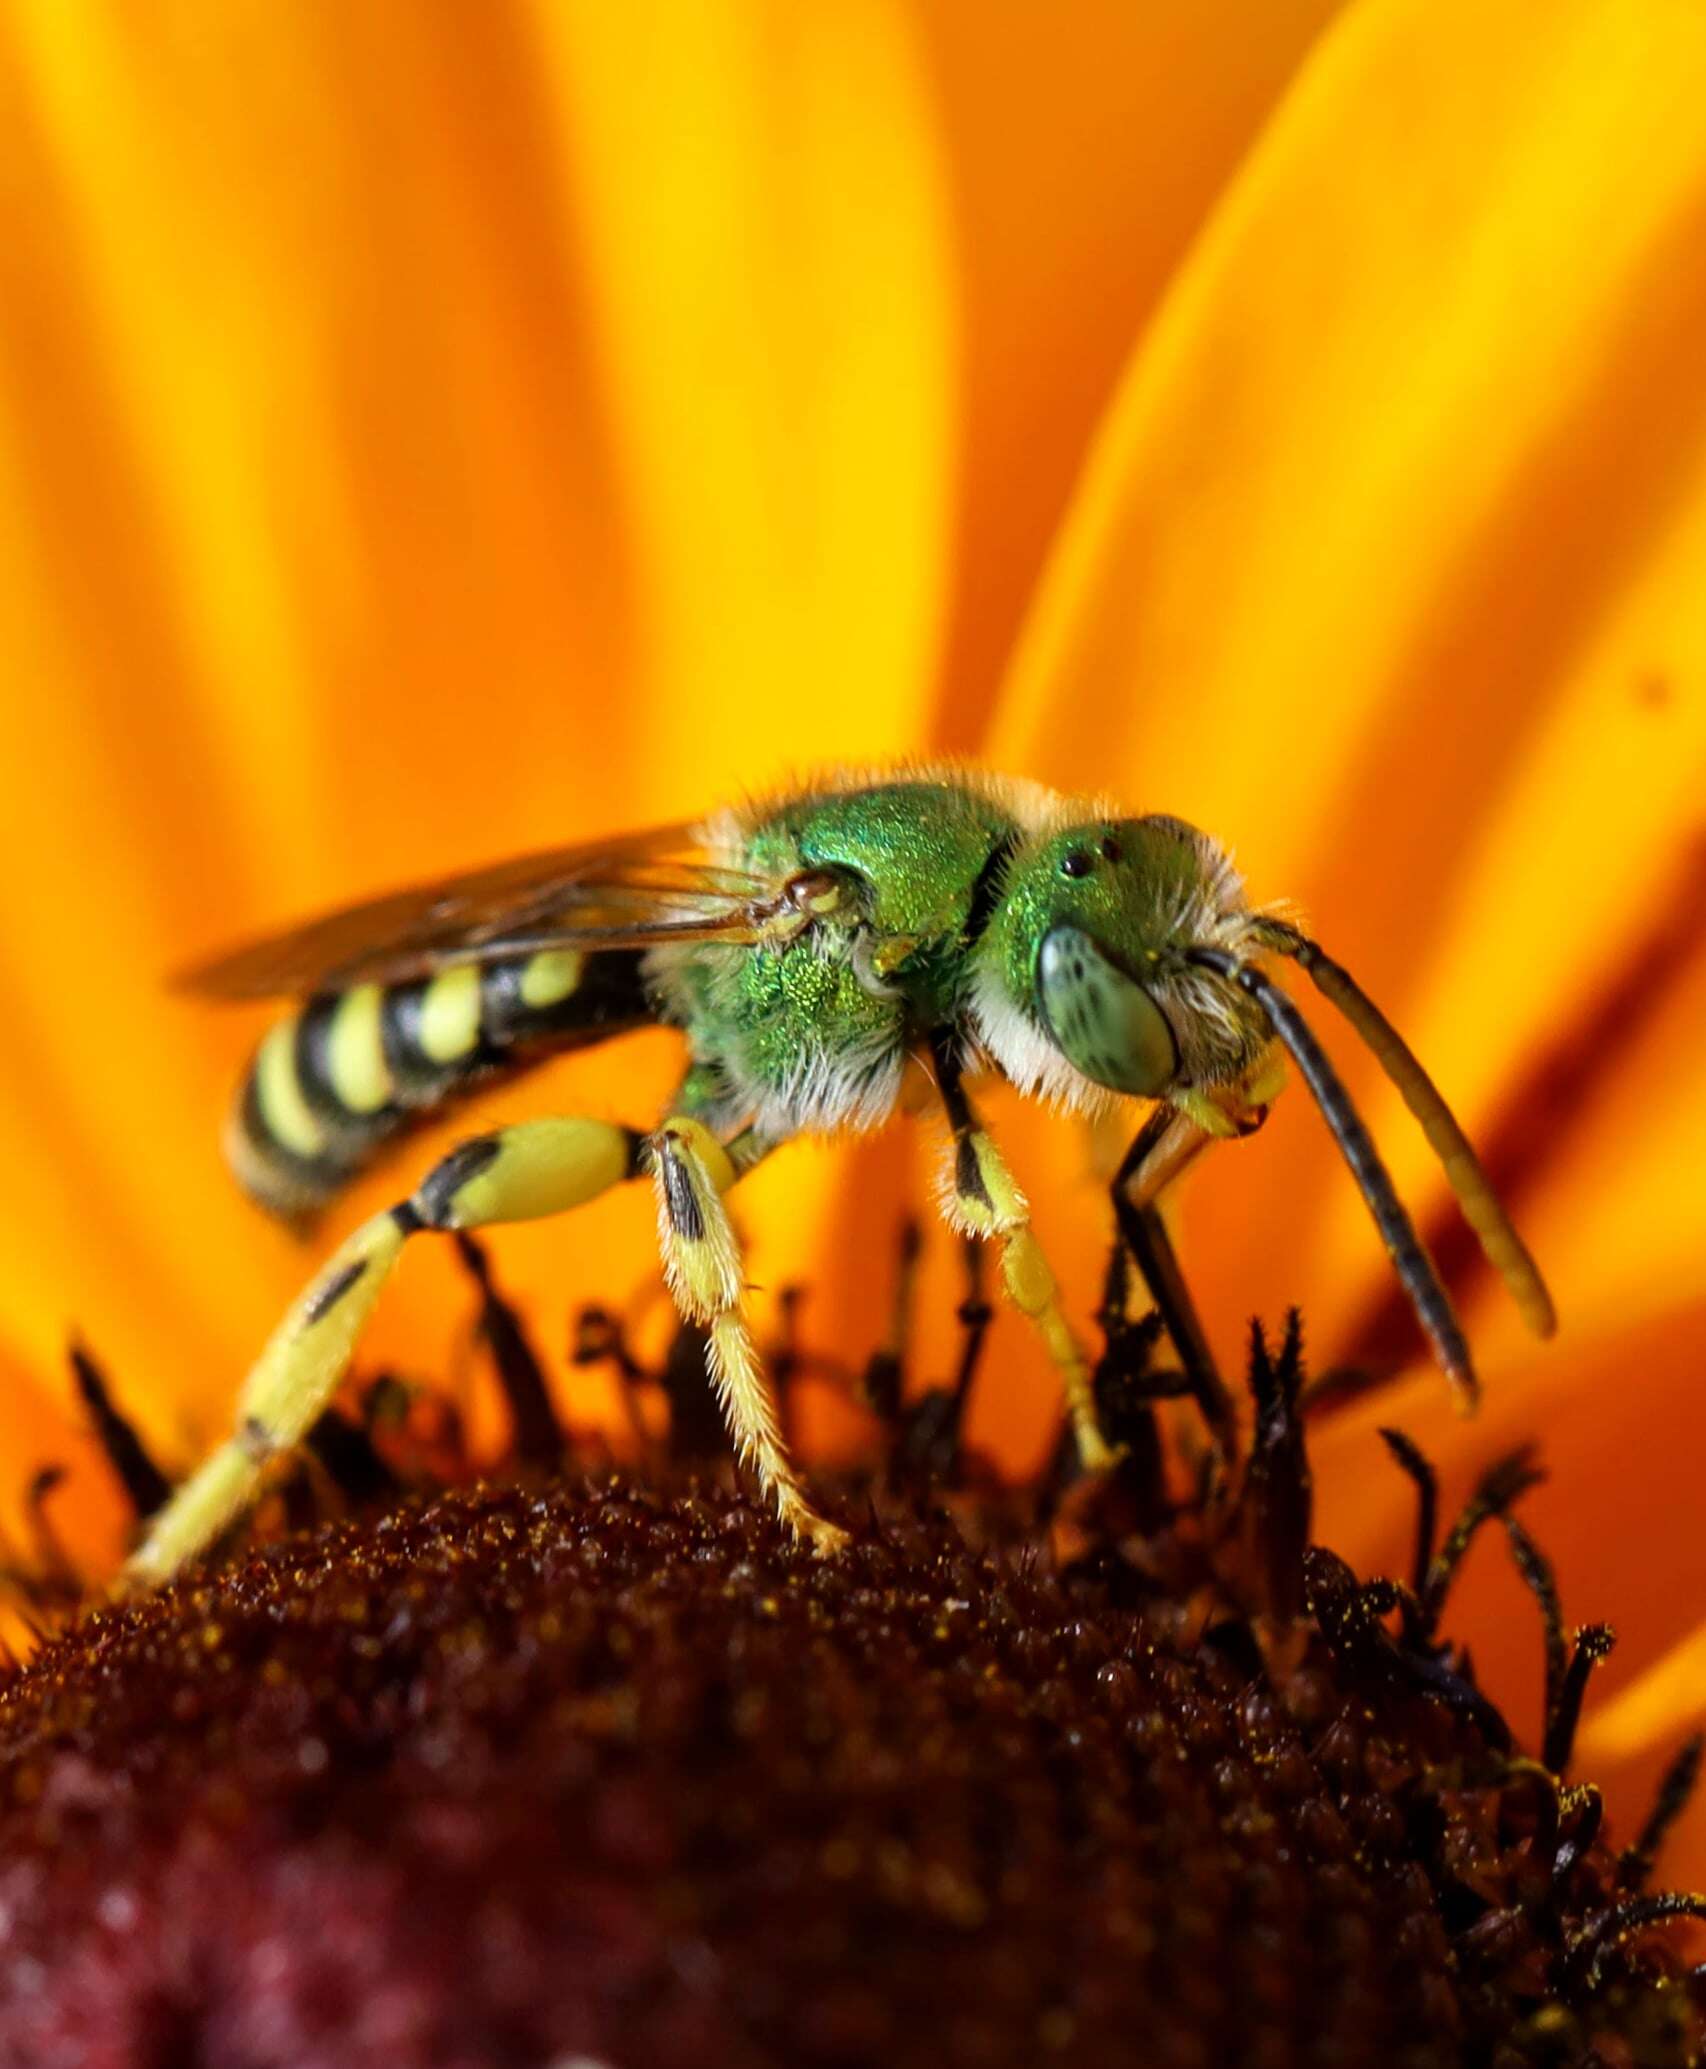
1122 956
1082 975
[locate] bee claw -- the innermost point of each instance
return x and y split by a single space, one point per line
1095 1454
824 1539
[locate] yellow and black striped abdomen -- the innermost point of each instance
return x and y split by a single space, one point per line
343 1075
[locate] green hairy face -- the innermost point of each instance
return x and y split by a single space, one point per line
1085 919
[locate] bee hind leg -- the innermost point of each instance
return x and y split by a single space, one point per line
702 1262
516 1174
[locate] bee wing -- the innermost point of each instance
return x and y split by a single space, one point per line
629 892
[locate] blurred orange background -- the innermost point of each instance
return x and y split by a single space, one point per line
430 432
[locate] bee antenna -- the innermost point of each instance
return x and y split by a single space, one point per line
1504 1248
1415 1268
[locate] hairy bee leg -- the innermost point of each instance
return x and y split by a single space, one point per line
702 1263
517 1174
983 1199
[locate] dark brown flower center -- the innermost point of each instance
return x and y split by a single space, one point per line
613 1773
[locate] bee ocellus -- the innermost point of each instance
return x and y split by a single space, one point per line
808 948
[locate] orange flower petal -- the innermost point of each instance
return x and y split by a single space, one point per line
1084 148
426 436
1383 545
410 462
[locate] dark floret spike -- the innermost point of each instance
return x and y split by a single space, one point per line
883 1382
1348 1618
1412 1461
1593 1644
1125 1391
146 1488
696 1433
1114 1314
350 1460
1383 1596
300 1499
1503 1482
1348 1614
1129 1420
1675 1788
52 1560
1528 1779
598 1338
419 1431
538 1434
975 1315
1536 1571
1127 1387
1566 1671
787 1361
1276 1377
1583 1809
931 1436
1277 1495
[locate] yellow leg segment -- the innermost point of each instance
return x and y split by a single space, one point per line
983 1200
702 1263
1176 1145
1198 1119
518 1174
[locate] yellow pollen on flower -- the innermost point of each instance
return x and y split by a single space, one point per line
1654 1710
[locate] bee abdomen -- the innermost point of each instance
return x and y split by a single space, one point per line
337 1080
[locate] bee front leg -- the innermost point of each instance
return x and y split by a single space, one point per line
702 1263
1172 1138
517 1174
983 1199
1165 1145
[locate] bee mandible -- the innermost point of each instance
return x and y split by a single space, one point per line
808 947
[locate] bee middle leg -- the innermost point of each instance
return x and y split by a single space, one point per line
516 1174
983 1199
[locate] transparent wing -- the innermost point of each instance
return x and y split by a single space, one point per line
630 892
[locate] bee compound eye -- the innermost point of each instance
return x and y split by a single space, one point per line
1077 862
1103 1021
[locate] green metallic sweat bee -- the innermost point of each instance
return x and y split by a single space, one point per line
808 947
